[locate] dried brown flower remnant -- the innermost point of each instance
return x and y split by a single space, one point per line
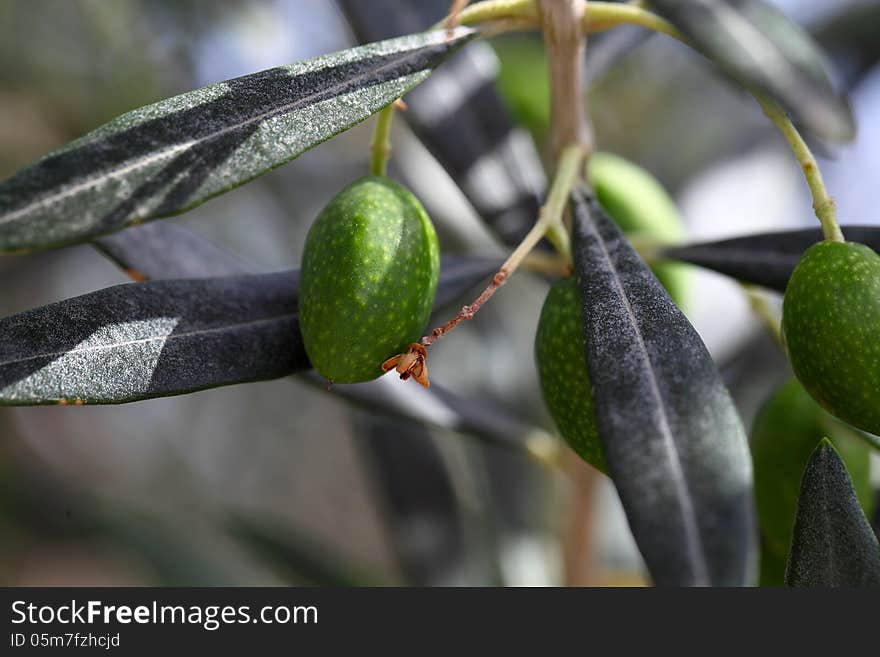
410 363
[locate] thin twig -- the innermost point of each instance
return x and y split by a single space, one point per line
493 10
578 541
601 16
823 204
455 10
769 318
549 264
380 149
550 217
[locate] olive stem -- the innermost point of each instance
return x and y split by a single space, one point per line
549 264
770 320
565 45
549 221
601 16
579 540
455 10
494 10
823 204
380 149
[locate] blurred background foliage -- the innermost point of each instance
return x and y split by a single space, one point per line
282 483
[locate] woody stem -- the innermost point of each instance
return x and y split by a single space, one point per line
565 44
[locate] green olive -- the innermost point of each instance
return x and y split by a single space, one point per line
831 324
369 275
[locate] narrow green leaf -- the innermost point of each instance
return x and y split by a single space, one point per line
673 441
787 430
832 543
168 157
756 44
153 339
167 337
164 250
765 259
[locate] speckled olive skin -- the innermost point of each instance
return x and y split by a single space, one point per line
831 324
789 426
368 280
640 205
562 368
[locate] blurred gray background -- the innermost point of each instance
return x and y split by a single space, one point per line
281 482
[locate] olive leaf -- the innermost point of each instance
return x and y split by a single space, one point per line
757 45
765 259
460 118
787 429
832 543
165 250
674 444
166 337
418 485
168 157
153 339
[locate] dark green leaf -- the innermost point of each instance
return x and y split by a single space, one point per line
164 250
760 47
165 158
832 543
153 339
674 443
166 337
765 259
418 485
787 430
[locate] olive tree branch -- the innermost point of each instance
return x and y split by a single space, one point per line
565 45
601 16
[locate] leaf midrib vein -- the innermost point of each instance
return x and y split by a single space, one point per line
691 530
153 338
